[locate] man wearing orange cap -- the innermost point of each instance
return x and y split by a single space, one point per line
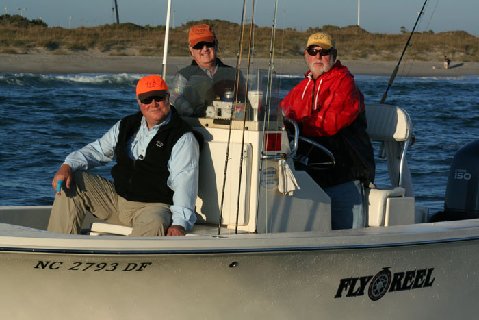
207 78
330 110
155 175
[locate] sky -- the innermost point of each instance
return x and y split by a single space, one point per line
381 16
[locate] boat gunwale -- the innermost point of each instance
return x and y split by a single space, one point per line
372 238
228 250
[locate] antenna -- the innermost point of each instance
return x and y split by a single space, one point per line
165 44
116 11
359 10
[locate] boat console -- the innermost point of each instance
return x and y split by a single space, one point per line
256 202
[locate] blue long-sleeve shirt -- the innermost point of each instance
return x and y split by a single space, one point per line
182 165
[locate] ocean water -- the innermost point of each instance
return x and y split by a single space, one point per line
44 117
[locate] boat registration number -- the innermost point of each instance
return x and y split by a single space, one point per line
91 266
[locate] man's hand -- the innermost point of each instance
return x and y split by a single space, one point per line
176 231
65 174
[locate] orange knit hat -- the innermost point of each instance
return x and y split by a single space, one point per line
201 33
151 85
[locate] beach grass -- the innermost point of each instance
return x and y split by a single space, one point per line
20 35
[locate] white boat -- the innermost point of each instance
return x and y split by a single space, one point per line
274 256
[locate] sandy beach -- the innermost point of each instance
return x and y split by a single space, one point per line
96 63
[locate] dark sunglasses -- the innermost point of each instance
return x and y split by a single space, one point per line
322 52
200 45
156 98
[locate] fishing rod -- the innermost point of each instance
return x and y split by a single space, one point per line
267 112
250 48
165 44
270 68
238 61
393 75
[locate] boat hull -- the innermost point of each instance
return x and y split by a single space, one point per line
385 275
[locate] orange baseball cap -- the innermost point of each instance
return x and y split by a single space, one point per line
151 85
201 33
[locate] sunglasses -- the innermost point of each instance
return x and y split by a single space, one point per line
156 98
322 52
201 44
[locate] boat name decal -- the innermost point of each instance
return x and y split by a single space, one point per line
385 281
91 266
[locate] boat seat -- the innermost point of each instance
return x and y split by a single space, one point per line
391 127
108 229
103 229
388 123
378 204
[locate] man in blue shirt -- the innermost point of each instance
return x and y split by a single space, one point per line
155 175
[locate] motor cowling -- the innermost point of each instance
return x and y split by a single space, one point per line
462 191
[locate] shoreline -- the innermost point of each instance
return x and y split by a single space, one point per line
97 63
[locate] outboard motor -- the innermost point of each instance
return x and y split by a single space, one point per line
462 191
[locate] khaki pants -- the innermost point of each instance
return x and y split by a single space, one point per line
92 193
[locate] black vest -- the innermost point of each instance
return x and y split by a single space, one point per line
145 180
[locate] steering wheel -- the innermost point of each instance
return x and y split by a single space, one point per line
303 159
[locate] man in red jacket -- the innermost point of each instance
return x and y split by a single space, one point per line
329 109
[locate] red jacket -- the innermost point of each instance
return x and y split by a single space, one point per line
330 110
326 105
